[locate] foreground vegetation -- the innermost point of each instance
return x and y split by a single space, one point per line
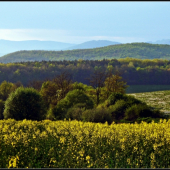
63 124
75 144
61 99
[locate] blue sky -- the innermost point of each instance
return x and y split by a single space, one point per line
78 22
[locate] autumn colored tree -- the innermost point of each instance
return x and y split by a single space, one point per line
114 83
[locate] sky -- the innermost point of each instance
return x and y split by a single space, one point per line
80 21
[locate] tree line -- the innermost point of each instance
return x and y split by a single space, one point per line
133 71
61 98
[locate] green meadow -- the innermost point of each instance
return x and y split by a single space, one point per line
156 99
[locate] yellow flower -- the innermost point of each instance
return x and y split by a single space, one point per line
13 162
81 153
128 160
87 158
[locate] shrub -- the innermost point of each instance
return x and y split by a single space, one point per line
132 100
131 113
76 111
158 114
115 97
97 115
1 109
142 111
60 110
50 115
78 96
72 98
145 119
118 109
24 103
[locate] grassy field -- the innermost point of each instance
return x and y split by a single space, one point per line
156 99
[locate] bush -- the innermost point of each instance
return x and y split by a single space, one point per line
131 113
97 115
60 110
118 109
145 119
24 103
78 96
1 109
142 111
131 100
115 97
50 115
158 114
76 111
72 98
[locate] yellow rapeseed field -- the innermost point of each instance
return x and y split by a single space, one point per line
75 144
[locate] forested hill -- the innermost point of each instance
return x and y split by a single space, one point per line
132 50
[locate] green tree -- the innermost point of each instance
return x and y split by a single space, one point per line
72 98
24 103
49 92
5 89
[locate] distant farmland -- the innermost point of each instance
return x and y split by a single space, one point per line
157 99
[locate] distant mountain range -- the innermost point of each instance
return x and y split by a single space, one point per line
132 50
164 41
7 46
92 44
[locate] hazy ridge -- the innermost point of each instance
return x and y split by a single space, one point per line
132 50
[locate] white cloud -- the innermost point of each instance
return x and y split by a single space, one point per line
31 34
58 35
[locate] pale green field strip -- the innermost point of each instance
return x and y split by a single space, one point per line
157 99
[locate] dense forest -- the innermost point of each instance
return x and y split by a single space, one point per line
133 71
132 50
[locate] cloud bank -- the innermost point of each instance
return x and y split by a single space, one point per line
58 35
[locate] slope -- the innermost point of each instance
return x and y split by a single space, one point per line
132 50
